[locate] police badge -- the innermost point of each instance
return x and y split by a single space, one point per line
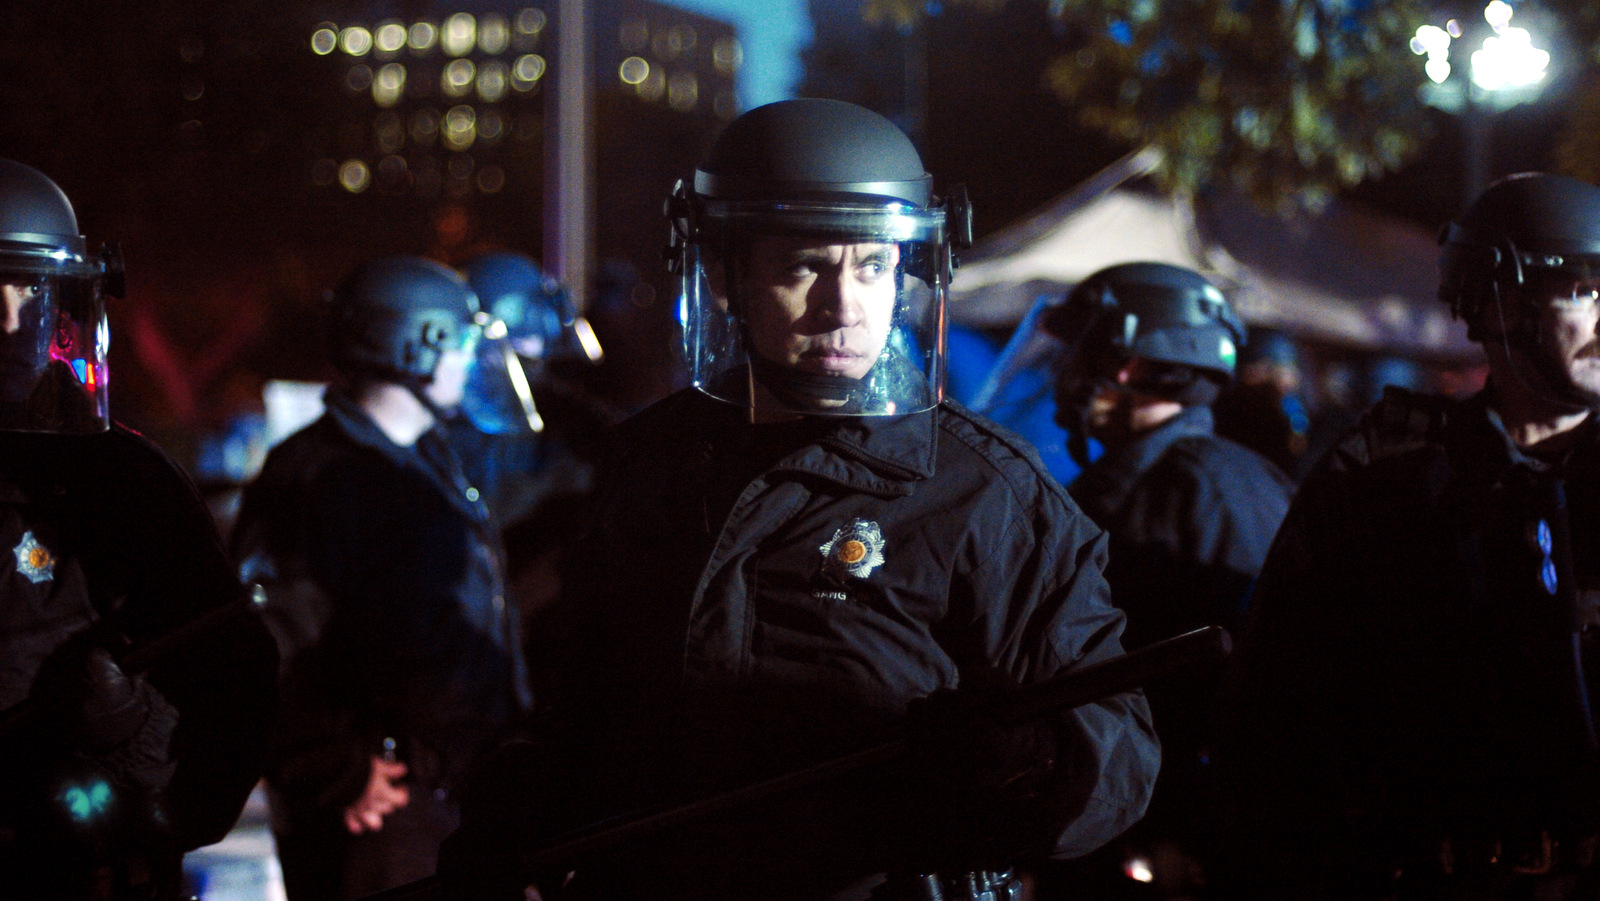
34 560
855 550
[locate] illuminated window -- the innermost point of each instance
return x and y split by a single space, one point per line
527 71
492 81
530 21
459 128
356 41
683 91
422 36
458 34
727 55
633 70
354 176
493 34
389 37
389 85
324 40
457 77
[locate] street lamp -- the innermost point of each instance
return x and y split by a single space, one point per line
1507 69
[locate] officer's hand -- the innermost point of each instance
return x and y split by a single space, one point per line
981 791
384 795
88 698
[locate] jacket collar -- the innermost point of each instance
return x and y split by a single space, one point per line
883 455
1482 450
1106 483
431 454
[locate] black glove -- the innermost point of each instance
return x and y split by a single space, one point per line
94 708
505 810
980 794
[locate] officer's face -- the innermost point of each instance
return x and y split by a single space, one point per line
18 293
820 308
449 383
1568 317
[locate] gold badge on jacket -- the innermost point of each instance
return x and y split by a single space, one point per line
34 560
855 550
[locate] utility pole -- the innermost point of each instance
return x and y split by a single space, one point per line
569 189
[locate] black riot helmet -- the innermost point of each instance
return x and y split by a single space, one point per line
1157 312
54 338
392 317
828 173
1524 226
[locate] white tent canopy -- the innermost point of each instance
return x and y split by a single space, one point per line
1345 276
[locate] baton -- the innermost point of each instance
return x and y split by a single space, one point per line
142 658
1063 691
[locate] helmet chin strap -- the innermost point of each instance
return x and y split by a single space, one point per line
795 388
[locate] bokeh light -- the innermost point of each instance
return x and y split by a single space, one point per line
459 34
493 34
355 40
634 70
354 176
457 77
492 81
324 40
422 36
389 37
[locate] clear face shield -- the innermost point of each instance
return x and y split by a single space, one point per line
817 308
516 346
53 343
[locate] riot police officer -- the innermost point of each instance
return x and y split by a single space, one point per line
138 684
527 428
1147 348
1410 713
793 550
384 581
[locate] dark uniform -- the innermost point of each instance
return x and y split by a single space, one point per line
136 682
1191 516
384 581
790 557
727 635
1410 703
1408 714
107 539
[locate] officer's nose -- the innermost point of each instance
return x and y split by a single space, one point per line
840 303
12 295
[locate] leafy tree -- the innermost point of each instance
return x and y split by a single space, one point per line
1286 100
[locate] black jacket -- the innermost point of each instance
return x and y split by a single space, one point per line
385 591
1191 516
755 599
106 530
1407 676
